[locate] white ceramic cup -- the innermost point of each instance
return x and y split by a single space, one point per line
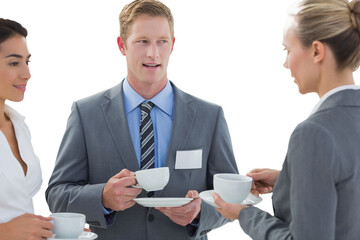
67 225
232 188
153 179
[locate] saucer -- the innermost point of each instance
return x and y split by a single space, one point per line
162 202
88 235
83 235
208 198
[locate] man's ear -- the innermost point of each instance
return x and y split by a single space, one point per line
173 42
121 45
318 51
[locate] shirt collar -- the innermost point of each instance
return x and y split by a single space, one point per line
331 92
13 114
163 100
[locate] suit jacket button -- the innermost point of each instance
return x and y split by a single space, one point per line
151 218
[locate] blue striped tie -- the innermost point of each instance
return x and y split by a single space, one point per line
147 136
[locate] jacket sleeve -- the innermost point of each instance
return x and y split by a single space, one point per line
312 168
69 189
221 160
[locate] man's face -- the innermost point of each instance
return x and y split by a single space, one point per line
147 50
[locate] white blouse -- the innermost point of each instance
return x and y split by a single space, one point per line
16 189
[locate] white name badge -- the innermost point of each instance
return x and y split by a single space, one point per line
191 159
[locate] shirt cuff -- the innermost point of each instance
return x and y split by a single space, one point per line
192 227
106 211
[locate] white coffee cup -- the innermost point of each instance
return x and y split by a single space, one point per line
153 179
232 188
67 225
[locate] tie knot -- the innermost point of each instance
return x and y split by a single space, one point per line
146 107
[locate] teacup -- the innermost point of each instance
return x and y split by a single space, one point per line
232 188
153 179
67 225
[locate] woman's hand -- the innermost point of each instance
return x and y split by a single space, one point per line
228 210
264 180
26 226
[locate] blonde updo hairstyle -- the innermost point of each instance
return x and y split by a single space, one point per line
335 23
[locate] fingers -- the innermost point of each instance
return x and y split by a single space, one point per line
185 214
178 219
181 219
43 218
44 233
264 179
121 203
121 182
46 225
126 205
256 176
117 195
257 170
227 210
255 192
43 222
124 173
218 200
192 194
188 208
260 188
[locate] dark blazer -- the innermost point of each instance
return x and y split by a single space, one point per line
97 145
317 193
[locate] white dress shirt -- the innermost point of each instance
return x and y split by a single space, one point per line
16 189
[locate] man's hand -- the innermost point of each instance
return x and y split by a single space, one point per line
26 226
117 195
185 214
228 210
264 180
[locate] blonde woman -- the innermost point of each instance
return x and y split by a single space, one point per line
316 194
20 174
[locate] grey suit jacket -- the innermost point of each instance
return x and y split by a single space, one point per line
317 193
97 145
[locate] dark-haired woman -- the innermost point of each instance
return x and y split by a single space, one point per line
20 173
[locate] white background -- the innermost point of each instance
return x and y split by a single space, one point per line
228 52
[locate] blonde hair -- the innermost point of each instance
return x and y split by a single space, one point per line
136 8
335 23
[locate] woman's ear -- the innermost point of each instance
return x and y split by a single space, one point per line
318 51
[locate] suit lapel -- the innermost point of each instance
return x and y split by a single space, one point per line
184 116
115 116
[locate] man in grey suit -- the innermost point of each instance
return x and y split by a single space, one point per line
101 146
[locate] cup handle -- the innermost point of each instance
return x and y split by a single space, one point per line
137 184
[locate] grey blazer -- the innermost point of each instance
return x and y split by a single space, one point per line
317 193
97 145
